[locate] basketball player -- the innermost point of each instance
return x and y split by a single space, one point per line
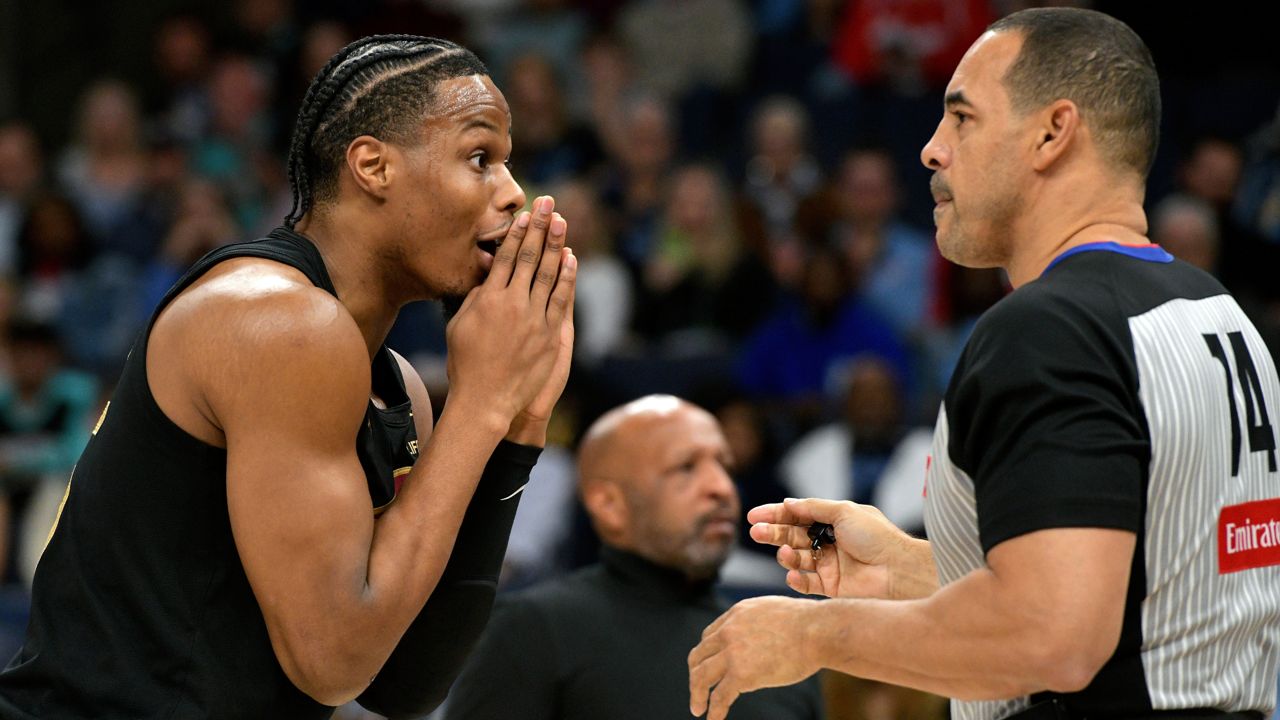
265 523
1103 502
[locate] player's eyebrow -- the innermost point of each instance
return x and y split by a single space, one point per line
479 121
956 97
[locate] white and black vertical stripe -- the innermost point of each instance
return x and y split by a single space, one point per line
951 515
1205 633
1208 640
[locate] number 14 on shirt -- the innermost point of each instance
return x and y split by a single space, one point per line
1258 421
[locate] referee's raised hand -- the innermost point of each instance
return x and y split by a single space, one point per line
871 557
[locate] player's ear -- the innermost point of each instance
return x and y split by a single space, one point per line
1057 127
369 165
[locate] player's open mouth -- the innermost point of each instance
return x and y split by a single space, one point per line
488 246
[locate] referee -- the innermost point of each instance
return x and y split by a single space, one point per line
1103 502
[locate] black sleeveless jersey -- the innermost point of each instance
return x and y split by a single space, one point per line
141 607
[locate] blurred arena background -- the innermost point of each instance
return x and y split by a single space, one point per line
742 184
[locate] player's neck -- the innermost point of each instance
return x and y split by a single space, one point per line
357 280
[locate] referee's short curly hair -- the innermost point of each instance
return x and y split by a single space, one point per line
1097 62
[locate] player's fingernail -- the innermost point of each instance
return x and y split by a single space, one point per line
544 205
557 226
522 220
571 262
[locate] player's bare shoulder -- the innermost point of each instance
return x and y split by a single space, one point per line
249 322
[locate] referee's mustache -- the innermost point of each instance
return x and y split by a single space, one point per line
938 187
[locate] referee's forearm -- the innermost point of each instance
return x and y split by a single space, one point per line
962 642
917 575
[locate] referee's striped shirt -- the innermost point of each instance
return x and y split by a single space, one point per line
1126 390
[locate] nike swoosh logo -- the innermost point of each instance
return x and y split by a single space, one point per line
517 492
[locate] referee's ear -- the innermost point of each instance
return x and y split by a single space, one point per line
1059 131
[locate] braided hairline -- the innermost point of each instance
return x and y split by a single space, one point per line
375 79
297 173
330 81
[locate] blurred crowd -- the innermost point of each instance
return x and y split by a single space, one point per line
741 181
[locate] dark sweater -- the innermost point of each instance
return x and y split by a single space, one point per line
609 641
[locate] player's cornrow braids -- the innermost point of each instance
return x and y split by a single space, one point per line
379 85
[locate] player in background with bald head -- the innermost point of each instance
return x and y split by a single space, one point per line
609 640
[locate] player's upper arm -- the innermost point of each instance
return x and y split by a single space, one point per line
289 386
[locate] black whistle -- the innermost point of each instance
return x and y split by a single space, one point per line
822 534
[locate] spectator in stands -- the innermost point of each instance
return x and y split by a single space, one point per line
1211 172
675 53
700 288
794 356
890 261
1257 209
141 232
551 29
871 456
755 455
203 221
103 171
21 173
601 99
1187 228
90 297
909 46
653 477
45 413
549 146
700 72
1257 201
53 246
235 152
183 54
780 173
963 295
635 185
605 297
